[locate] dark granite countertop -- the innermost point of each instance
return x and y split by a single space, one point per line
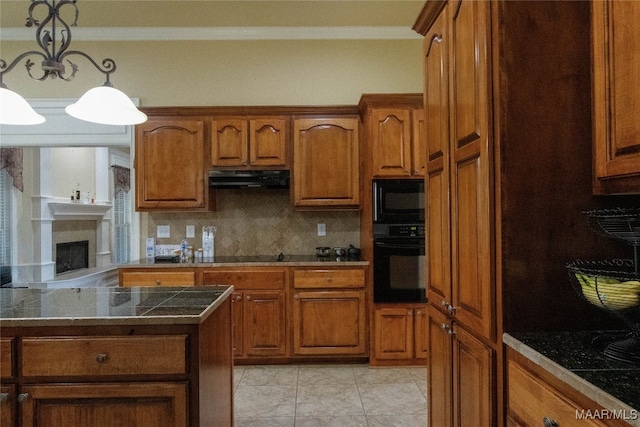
576 358
109 305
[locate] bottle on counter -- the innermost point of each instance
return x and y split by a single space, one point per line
184 248
191 254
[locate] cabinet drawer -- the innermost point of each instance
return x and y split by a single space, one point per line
531 400
158 278
328 278
246 279
78 356
6 357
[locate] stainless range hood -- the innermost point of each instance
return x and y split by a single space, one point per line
248 178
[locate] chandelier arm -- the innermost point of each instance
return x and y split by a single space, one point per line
108 65
46 38
4 68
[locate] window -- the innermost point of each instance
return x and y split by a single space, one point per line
5 227
122 227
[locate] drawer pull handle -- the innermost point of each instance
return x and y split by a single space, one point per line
549 423
4 397
22 397
102 358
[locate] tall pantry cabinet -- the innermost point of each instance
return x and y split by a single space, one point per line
508 172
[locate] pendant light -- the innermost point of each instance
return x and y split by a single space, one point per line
103 104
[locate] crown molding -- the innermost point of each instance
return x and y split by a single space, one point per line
224 33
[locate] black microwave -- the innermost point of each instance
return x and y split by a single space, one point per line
398 201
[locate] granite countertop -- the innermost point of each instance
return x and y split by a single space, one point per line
252 261
109 305
574 359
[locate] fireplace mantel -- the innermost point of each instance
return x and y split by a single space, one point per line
78 211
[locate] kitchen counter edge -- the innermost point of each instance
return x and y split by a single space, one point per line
591 391
176 319
151 264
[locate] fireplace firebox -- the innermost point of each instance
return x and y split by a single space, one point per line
71 256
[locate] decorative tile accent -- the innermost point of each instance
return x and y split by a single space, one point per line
260 222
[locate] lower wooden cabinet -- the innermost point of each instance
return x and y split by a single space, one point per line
122 404
461 376
259 309
400 335
168 375
534 395
329 312
259 324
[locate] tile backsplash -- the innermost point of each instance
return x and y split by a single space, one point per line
260 222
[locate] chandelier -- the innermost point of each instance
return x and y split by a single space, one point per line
103 104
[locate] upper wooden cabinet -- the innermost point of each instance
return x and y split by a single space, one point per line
326 168
393 131
170 166
616 96
249 142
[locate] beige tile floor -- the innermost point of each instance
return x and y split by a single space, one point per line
329 395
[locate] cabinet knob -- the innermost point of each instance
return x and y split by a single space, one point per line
22 397
102 358
451 309
444 326
4 397
418 312
158 282
409 312
296 296
329 279
549 422
248 297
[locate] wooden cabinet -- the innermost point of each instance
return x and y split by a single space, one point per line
329 312
461 375
326 163
490 126
254 142
259 309
394 132
400 335
173 375
616 96
170 166
157 277
534 395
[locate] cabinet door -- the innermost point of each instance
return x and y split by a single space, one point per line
170 166
7 405
125 404
471 198
420 331
237 319
268 141
326 163
264 323
394 333
437 213
229 145
616 90
391 134
439 370
473 373
418 142
329 322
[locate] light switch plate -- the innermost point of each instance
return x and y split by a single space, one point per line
191 231
163 231
322 229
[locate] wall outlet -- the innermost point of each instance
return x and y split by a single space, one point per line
322 229
191 231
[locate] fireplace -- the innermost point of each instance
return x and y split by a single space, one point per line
71 256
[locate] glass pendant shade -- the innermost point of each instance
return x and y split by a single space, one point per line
15 110
106 105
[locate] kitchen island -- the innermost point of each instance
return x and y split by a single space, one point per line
95 357
563 376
